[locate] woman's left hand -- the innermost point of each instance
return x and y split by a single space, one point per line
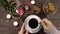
23 31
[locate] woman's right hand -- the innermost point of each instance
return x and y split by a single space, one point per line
47 24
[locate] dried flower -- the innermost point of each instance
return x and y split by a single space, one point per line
37 9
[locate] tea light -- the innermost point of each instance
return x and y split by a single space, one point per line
15 23
8 16
32 2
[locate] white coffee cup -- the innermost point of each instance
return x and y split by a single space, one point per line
28 28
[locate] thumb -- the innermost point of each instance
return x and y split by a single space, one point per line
22 28
26 32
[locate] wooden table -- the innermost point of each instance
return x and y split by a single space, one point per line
6 26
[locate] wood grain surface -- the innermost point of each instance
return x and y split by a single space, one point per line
6 26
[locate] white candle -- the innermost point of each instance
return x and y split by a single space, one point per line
8 16
32 2
15 23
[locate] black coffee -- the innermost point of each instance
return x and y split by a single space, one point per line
33 23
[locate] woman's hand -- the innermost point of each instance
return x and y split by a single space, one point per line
46 24
23 31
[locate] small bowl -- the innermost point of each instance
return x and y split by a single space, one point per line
52 12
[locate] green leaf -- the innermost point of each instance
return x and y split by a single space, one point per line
8 5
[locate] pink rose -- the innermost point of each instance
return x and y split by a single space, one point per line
19 11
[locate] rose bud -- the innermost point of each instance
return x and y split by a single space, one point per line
26 6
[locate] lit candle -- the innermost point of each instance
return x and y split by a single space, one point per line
32 2
8 16
15 23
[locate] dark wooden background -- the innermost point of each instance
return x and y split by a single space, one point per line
6 26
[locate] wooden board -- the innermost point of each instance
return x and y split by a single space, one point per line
6 26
